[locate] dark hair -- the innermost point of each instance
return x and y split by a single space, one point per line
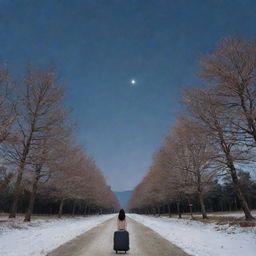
121 215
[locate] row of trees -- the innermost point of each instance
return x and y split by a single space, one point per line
214 138
38 152
219 196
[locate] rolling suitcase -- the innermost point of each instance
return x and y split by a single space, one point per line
121 241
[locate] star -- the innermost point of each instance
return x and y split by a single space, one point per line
133 82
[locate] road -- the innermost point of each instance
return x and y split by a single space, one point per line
99 242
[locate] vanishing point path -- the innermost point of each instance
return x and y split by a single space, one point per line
99 242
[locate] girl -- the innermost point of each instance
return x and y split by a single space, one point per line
121 221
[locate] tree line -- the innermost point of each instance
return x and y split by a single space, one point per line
40 162
207 157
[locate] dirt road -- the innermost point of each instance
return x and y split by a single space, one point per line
99 242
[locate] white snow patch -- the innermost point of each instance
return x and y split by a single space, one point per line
201 239
42 235
227 214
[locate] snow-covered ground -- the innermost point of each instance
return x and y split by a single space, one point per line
201 239
42 235
234 214
228 214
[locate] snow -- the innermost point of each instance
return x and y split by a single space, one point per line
203 239
196 238
42 235
228 214
238 214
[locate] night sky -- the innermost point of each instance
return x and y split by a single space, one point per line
98 46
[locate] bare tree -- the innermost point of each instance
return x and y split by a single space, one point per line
211 113
44 156
158 187
66 178
163 183
219 135
177 179
195 157
232 69
77 178
38 109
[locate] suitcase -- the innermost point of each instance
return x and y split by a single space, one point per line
121 241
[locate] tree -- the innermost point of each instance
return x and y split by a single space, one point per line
175 179
163 183
43 157
217 137
77 178
212 114
38 109
195 157
67 176
231 68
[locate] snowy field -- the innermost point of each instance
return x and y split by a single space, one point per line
227 214
201 239
235 214
42 235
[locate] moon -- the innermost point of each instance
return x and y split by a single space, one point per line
133 81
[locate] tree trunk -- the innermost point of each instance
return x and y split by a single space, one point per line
85 210
17 188
201 200
240 195
236 183
169 210
17 191
74 208
157 213
235 202
211 206
222 207
200 195
178 209
32 196
61 208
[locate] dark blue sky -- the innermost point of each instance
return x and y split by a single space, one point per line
98 46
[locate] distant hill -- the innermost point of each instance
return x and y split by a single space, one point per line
123 198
